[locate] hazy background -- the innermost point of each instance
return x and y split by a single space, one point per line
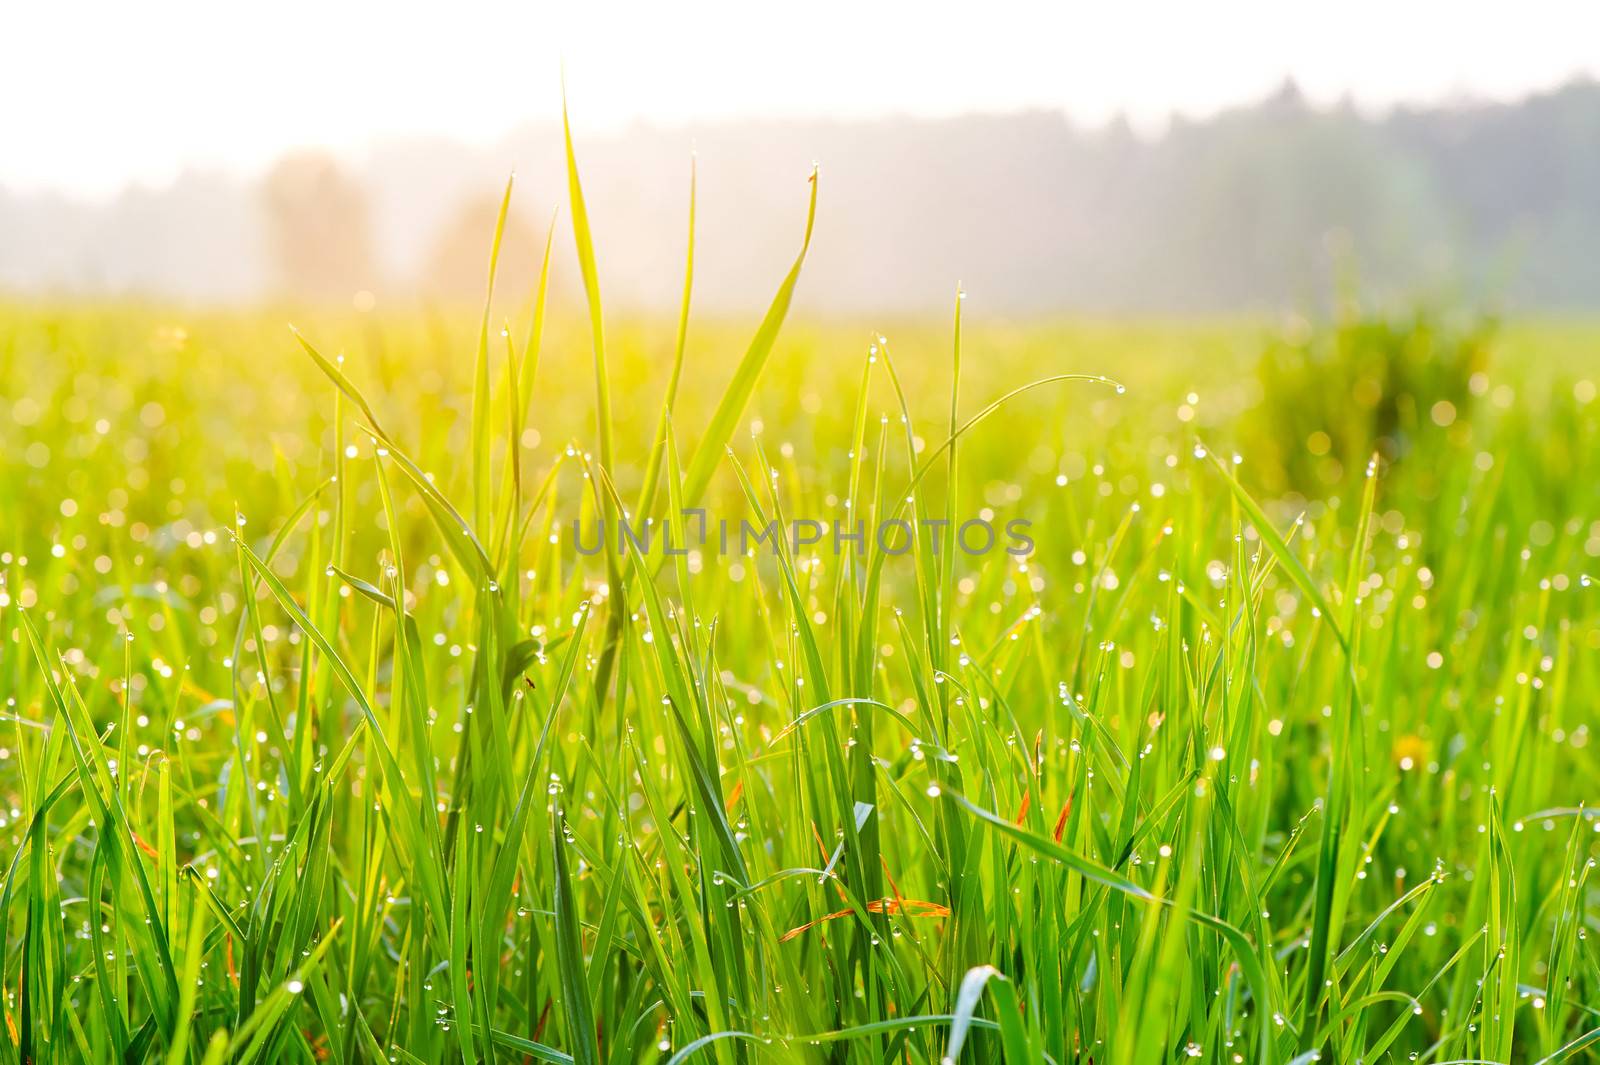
1149 158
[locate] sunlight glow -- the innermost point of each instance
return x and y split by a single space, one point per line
99 94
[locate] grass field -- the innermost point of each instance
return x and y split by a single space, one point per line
324 738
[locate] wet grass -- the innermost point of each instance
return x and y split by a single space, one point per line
324 738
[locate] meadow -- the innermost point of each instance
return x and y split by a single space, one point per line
323 741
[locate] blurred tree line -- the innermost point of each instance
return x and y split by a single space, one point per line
1254 208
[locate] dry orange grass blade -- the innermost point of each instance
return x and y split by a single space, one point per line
903 907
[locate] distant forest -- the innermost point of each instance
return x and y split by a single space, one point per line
1259 207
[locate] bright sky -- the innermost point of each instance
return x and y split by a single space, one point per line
97 94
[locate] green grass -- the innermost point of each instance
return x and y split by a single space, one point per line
322 741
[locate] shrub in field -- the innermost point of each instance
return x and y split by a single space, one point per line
1333 396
